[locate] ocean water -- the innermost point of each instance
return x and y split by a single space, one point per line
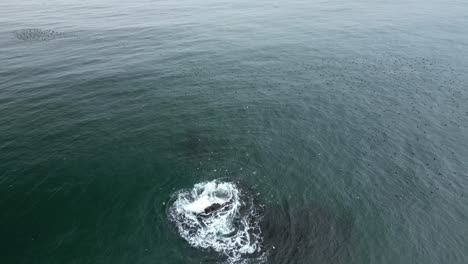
345 122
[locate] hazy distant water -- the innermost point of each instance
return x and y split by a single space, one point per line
349 118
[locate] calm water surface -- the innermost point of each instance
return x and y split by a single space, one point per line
348 119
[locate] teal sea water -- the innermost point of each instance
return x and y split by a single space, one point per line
344 122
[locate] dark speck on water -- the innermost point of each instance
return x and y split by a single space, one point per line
346 119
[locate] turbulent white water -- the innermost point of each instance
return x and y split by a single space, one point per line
232 229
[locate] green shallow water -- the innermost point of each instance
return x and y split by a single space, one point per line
349 119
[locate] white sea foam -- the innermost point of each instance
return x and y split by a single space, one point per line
232 229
